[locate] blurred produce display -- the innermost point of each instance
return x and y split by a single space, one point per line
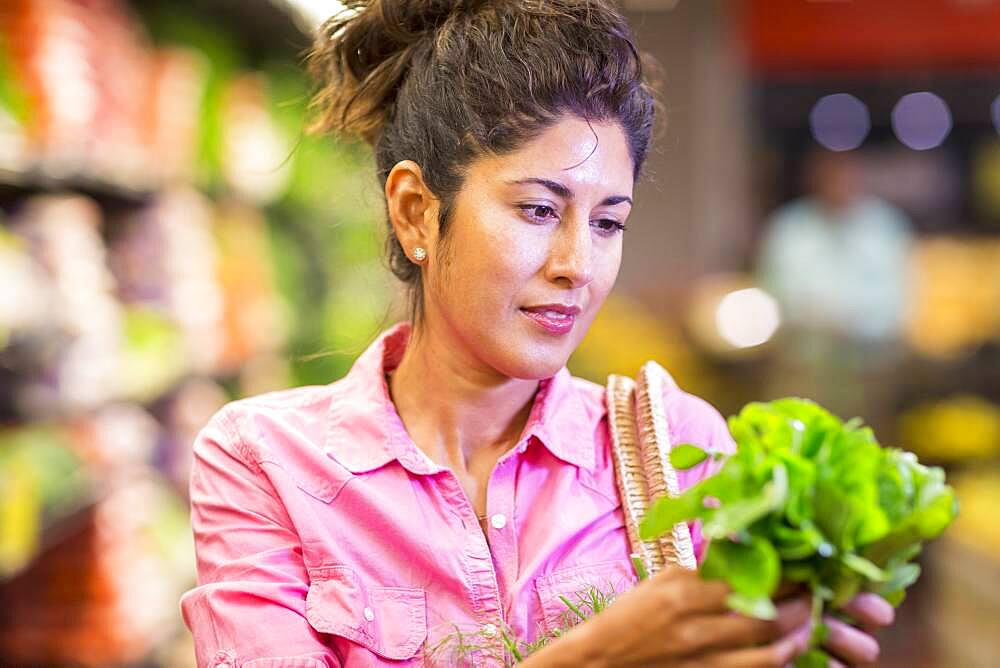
960 428
979 493
169 240
967 569
957 305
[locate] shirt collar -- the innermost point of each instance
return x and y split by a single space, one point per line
364 431
560 420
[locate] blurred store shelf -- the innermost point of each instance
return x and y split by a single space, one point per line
155 191
38 180
966 586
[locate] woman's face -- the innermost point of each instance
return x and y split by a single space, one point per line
533 249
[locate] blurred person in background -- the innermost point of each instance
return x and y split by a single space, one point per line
458 477
837 261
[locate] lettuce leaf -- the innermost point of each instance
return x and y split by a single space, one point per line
809 498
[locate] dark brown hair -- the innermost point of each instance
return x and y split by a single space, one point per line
442 82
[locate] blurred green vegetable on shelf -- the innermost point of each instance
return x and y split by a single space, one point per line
41 480
809 499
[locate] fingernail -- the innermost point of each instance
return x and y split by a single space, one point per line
803 635
872 651
863 644
882 610
797 641
872 607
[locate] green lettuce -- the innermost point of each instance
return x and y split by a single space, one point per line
810 499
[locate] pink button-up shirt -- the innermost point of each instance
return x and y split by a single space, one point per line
325 537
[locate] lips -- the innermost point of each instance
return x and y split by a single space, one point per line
553 318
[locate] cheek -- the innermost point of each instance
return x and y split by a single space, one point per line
605 276
489 259
606 269
508 253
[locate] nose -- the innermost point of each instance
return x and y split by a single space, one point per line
571 259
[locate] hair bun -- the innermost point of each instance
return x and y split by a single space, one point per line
446 82
362 54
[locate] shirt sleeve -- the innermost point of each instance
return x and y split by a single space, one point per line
248 608
693 420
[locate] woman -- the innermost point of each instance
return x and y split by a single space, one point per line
458 480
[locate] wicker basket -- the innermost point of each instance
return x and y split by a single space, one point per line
640 448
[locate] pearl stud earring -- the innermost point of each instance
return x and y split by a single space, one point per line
419 254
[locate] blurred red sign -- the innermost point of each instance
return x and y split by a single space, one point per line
851 35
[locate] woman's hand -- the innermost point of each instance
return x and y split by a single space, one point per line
853 645
677 619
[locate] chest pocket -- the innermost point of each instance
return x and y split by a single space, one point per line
391 622
580 584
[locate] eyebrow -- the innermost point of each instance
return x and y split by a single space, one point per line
566 193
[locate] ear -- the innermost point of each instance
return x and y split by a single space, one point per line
413 208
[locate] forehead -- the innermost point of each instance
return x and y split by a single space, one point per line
580 155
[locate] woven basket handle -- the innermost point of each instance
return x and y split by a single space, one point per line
640 449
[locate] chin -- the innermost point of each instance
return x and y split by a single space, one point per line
533 361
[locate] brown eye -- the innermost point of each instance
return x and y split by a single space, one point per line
538 212
608 226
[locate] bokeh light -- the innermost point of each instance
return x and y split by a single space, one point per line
747 317
995 113
921 120
840 122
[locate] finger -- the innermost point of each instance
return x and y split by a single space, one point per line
793 613
718 632
711 633
870 610
700 596
776 654
849 643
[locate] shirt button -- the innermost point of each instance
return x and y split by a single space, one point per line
369 615
498 521
490 630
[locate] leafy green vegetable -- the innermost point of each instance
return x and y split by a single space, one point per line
640 568
685 456
810 499
814 658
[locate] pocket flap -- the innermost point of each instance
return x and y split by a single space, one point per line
390 621
609 578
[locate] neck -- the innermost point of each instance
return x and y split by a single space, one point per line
456 408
